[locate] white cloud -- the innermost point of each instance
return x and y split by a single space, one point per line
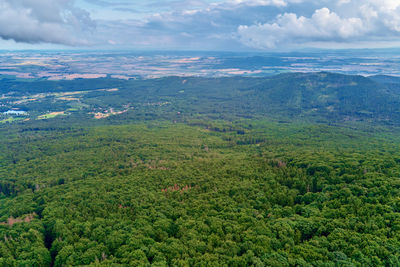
323 25
385 5
386 11
341 21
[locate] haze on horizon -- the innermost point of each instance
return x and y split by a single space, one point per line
234 25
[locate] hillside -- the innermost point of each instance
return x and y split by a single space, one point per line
288 170
326 96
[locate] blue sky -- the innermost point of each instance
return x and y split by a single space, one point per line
251 25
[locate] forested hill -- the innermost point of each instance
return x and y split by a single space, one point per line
288 170
327 96
315 97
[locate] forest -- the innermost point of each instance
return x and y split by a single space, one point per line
289 170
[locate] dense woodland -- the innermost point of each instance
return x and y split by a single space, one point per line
217 177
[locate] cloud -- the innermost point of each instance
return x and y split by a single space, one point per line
201 24
324 25
351 21
44 21
387 12
259 24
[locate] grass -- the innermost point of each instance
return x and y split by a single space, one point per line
51 115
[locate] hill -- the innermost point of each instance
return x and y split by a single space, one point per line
289 170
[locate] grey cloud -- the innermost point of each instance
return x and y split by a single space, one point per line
44 21
199 27
196 24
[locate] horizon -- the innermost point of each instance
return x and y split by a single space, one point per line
126 64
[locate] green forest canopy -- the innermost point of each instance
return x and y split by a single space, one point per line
207 186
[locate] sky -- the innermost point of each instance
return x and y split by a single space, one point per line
222 25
